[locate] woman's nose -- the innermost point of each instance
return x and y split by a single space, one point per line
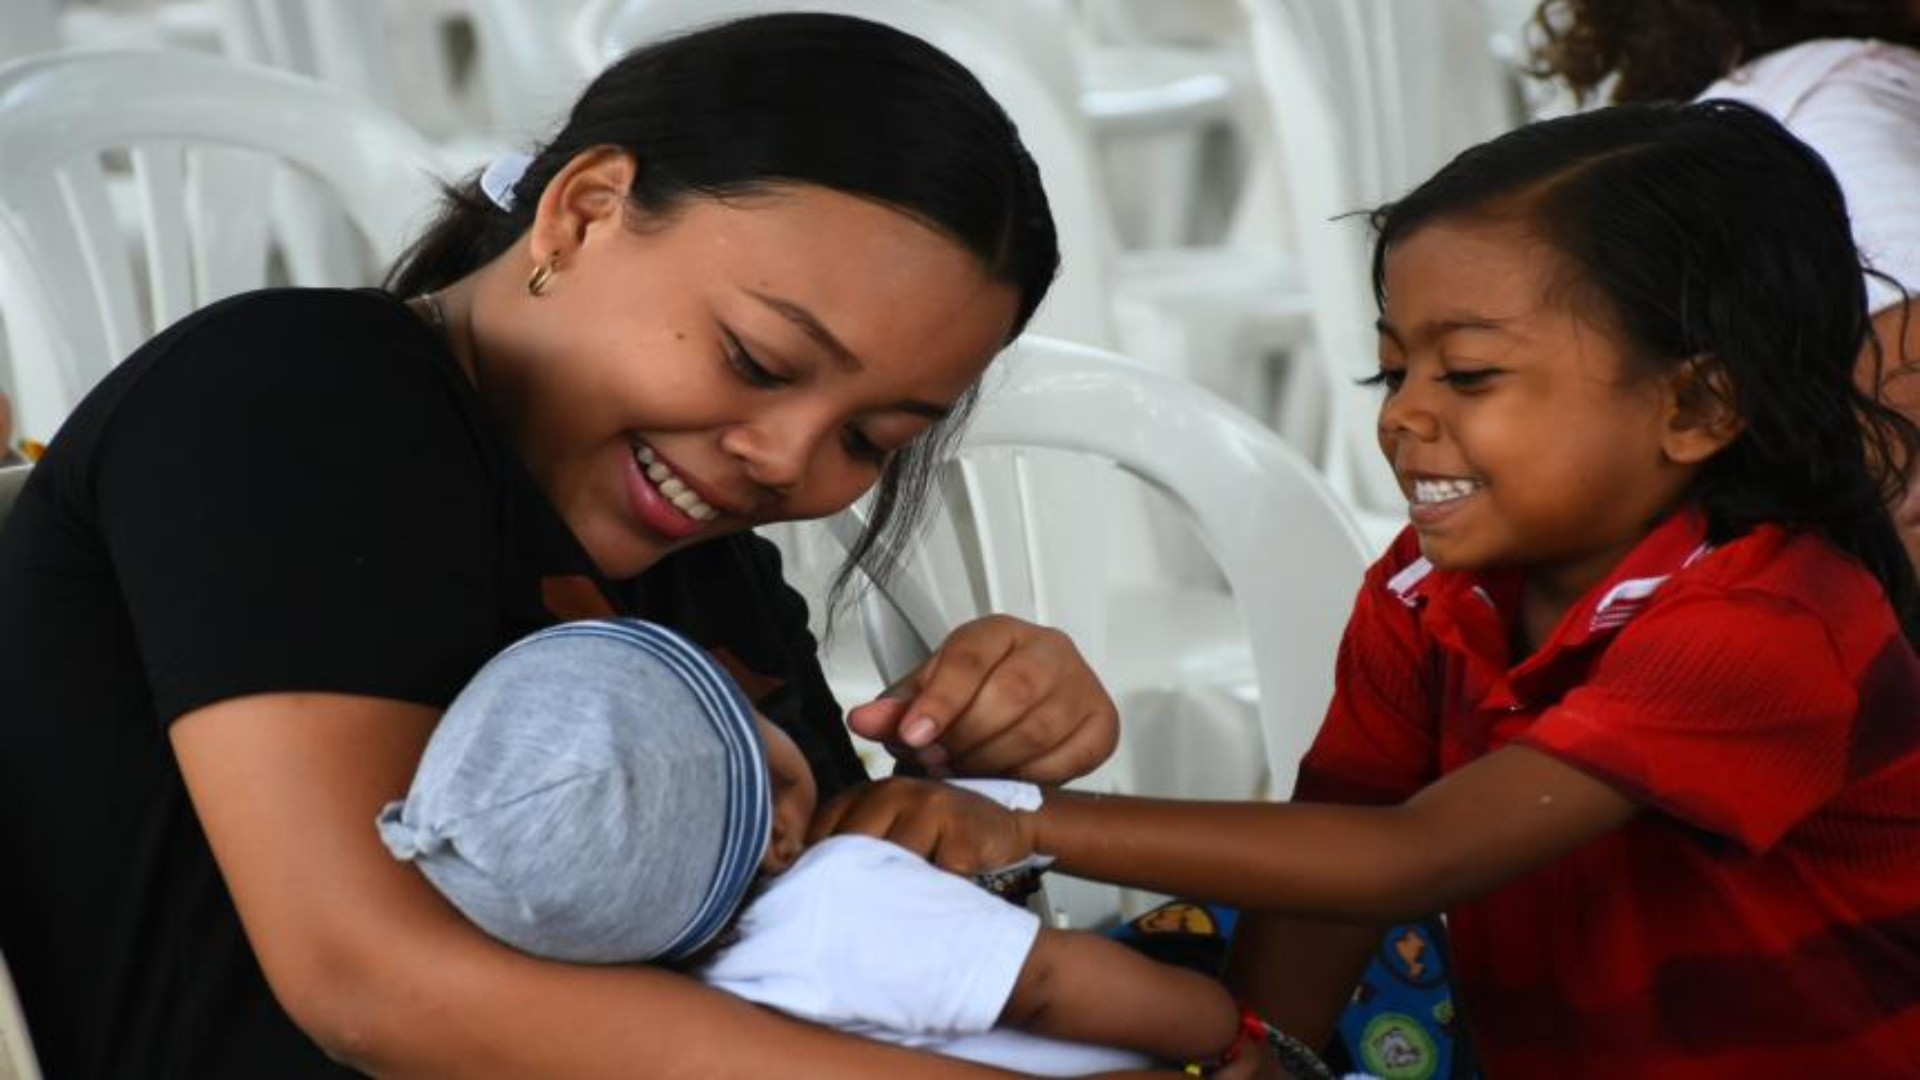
774 454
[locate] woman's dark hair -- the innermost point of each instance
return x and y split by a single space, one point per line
1706 234
745 107
1671 50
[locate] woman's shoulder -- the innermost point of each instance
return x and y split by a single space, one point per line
288 352
275 325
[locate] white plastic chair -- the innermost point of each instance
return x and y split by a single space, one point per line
1368 98
206 141
17 1060
1288 548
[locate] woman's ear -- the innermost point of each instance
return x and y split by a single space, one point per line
1703 414
589 192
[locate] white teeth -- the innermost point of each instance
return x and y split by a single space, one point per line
1437 491
672 487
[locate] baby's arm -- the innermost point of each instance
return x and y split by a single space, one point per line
1087 988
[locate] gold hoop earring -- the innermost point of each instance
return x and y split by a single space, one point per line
542 275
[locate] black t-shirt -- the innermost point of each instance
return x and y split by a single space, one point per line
291 490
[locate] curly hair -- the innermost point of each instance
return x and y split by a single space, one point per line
1671 50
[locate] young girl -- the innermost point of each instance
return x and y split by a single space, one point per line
1634 698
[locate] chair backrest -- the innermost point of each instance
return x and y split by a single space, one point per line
218 159
17 1061
1285 542
1368 97
532 67
1078 307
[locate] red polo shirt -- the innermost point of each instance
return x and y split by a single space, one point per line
1763 917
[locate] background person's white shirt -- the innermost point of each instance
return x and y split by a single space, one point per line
863 936
1858 104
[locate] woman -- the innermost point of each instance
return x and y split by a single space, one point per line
756 274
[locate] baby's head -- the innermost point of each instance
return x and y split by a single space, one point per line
602 792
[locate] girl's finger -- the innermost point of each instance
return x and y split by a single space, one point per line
826 820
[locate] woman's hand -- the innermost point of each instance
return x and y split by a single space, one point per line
948 826
1000 697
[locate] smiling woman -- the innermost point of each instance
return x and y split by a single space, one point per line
755 275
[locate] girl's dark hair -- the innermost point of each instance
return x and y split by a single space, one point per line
746 107
1671 50
1707 234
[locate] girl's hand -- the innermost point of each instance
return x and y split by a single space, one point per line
1000 697
950 827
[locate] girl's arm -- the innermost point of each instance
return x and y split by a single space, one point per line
385 976
1477 827
1087 988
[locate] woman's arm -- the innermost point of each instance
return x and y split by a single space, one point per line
385 976
1477 827
1087 988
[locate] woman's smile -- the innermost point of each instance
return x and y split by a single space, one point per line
665 499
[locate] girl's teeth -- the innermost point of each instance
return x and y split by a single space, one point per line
657 472
1433 491
644 453
672 488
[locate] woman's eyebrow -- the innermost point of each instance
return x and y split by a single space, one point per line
817 330
812 327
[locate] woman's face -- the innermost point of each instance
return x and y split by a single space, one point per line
737 363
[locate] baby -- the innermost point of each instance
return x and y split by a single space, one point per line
601 792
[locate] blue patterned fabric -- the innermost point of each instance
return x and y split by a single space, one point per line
1401 1023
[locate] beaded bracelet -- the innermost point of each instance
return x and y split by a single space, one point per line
1299 1059
1296 1057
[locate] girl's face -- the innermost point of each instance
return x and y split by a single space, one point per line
737 363
1519 433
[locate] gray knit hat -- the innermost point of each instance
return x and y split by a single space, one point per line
598 793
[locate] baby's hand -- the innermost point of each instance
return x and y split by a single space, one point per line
950 827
